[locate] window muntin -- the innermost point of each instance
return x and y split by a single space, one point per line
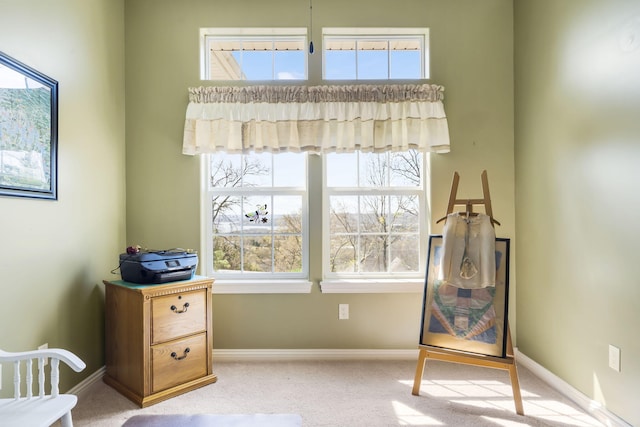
374 227
375 53
258 216
253 54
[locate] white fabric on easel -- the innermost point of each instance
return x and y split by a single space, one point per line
468 252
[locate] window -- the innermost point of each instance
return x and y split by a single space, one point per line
253 53
256 210
375 53
370 213
257 225
374 226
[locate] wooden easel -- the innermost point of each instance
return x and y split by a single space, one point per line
508 362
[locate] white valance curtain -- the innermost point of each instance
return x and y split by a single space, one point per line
370 118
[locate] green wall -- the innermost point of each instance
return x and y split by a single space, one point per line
577 100
471 55
54 254
577 174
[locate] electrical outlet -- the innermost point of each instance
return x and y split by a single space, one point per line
343 311
614 358
44 347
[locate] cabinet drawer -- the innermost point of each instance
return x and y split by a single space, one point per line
178 362
177 315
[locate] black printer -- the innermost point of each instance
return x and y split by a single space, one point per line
158 266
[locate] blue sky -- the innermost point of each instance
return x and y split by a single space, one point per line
341 64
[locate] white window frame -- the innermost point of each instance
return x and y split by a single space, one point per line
412 282
258 283
381 34
267 34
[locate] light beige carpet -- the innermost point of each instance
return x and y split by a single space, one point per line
353 394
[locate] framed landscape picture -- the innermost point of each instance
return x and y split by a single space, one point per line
469 320
28 131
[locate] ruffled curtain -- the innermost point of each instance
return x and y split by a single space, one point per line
317 119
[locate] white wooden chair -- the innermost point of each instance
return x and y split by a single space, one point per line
41 409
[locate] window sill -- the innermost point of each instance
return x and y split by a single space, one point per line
372 286
262 287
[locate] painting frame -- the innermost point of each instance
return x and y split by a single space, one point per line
28 131
485 330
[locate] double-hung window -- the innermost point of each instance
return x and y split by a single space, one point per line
375 222
255 207
373 225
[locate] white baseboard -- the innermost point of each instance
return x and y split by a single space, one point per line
239 355
82 386
590 406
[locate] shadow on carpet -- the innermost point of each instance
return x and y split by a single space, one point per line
214 420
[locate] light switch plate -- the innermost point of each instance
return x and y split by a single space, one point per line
343 311
614 358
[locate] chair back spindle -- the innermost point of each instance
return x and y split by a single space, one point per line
38 411
16 380
29 378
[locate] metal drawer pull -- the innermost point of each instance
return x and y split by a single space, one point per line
175 355
184 308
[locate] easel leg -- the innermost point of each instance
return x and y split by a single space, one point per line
515 385
513 374
422 358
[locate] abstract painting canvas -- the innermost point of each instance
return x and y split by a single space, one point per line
469 320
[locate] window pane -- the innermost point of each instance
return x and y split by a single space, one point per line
257 254
374 169
373 214
289 170
288 254
226 171
377 53
227 214
344 211
287 214
224 59
342 169
405 254
289 65
405 64
373 64
257 215
373 253
342 254
257 65
254 55
340 64
226 253
404 214
256 170
406 169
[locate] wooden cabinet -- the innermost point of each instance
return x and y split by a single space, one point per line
158 338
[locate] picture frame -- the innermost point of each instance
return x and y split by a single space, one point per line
468 320
28 131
